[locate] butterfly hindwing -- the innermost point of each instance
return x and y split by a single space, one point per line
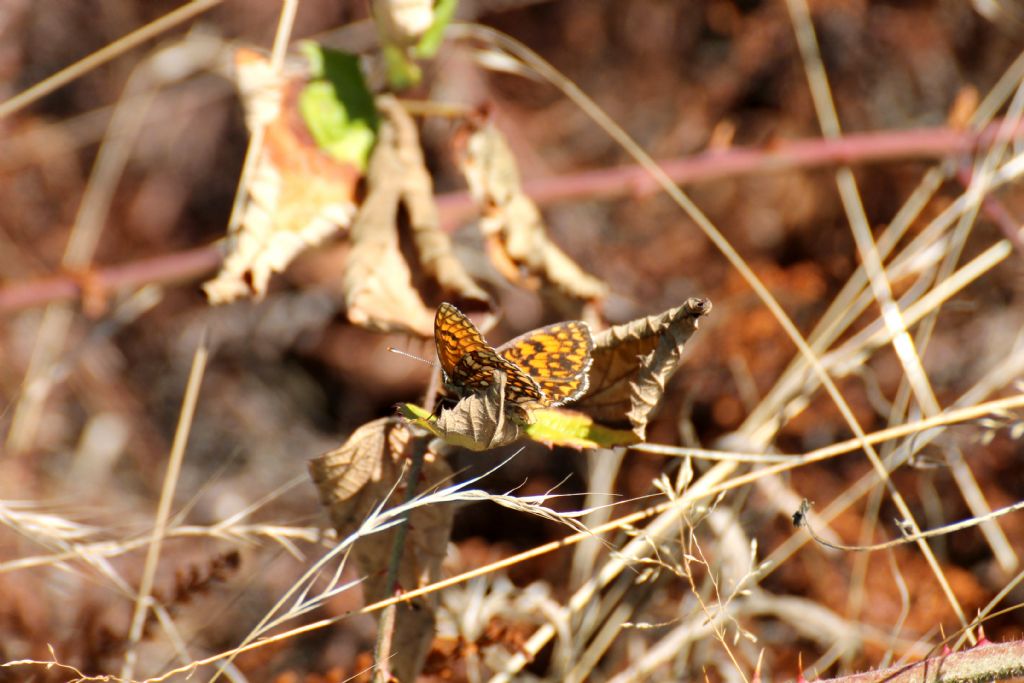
558 357
475 371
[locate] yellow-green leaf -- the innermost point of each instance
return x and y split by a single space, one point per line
403 72
560 427
429 44
553 427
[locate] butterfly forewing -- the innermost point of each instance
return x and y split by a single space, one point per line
455 335
557 357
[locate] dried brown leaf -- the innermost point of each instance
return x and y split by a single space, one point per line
517 238
482 420
298 196
353 480
378 282
433 245
633 362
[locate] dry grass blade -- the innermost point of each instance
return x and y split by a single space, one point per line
380 520
142 600
111 51
361 478
122 134
800 520
920 435
892 316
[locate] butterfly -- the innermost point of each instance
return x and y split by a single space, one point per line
547 367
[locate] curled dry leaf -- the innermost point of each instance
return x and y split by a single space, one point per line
517 239
356 477
378 282
353 480
298 194
632 363
477 422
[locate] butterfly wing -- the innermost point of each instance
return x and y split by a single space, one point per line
455 335
557 357
475 372
469 362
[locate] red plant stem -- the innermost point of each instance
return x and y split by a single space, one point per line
458 207
858 148
165 269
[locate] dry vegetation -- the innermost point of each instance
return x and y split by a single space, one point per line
864 350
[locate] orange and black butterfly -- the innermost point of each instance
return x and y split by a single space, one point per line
547 367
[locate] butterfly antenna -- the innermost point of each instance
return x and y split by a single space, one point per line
392 349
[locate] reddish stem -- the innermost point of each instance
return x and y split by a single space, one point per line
166 269
457 207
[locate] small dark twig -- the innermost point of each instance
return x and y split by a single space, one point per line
801 520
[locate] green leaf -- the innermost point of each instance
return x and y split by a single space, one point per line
403 72
420 417
430 42
337 107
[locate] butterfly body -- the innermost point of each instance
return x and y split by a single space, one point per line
547 367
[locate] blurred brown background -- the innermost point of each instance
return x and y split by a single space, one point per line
290 378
